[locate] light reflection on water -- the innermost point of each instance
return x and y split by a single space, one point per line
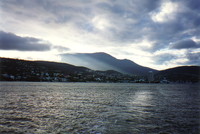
141 101
98 108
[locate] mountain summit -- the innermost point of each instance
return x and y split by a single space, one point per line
103 61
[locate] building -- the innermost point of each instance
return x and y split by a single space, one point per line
150 76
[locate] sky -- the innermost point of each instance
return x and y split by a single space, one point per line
155 33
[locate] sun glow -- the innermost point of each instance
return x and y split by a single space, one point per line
166 13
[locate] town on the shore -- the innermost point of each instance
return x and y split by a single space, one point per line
20 70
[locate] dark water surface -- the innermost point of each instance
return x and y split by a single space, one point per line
98 108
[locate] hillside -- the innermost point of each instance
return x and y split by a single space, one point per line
14 66
104 61
22 70
181 74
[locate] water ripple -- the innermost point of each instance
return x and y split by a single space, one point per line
98 108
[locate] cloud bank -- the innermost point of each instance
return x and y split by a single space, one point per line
142 28
9 41
185 44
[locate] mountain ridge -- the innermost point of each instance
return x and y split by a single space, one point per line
24 70
181 74
104 61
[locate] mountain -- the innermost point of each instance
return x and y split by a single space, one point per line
103 61
13 66
23 70
180 74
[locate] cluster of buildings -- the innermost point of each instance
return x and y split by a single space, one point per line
94 76
22 71
34 77
88 76
18 70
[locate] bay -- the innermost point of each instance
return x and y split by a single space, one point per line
99 108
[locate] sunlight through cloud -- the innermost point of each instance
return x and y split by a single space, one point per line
166 13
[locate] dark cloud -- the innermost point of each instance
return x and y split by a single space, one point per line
48 11
145 6
126 22
185 44
193 4
129 7
9 41
190 58
119 13
184 25
163 58
193 58
110 7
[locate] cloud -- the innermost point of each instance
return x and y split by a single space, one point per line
91 25
121 22
164 58
61 48
185 44
165 13
176 57
193 4
9 41
193 58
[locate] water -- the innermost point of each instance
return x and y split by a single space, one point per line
98 108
